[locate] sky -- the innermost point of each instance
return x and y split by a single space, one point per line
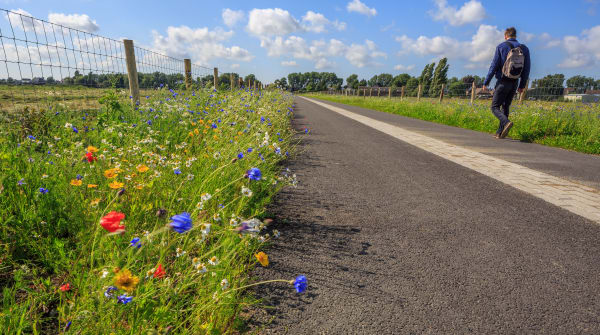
366 37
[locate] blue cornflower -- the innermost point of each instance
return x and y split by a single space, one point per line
109 292
124 299
31 137
240 155
181 222
21 182
214 126
75 130
250 150
43 190
149 122
79 177
177 171
300 283
262 119
254 174
135 242
68 326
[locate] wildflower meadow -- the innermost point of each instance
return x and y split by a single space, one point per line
143 219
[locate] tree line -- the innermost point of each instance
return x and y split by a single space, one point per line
146 80
431 79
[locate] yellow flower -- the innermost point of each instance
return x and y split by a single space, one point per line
139 186
92 185
263 259
125 281
92 149
196 131
115 184
191 134
110 173
95 202
142 168
76 182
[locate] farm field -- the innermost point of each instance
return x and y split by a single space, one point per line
573 126
139 220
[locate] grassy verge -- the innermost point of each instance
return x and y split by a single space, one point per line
149 268
571 126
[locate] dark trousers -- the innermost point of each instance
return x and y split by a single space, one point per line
503 96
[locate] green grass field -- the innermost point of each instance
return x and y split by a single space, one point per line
180 185
573 126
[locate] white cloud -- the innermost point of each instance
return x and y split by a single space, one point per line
23 21
401 67
231 17
470 12
361 8
549 41
479 50
201 45
76 21
234 66
320 51
341 26
272 22
315 22
582 51
289 63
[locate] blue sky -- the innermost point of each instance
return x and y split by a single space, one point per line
366 37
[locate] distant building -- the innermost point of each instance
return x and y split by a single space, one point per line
583 97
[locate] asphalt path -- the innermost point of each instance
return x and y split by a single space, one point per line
396 240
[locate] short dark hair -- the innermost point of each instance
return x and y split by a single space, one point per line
511 32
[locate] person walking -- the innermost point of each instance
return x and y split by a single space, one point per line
511 62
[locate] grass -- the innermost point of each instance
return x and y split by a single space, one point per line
176 152
573 126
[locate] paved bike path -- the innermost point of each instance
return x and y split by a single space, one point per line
395 239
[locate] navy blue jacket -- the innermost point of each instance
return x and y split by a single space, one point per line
500 57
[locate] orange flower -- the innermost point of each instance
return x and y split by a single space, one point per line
92 186
115 184
142 168
92 149
125 281
110 173
263 259
76 182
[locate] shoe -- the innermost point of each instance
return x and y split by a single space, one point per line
506 129
497 136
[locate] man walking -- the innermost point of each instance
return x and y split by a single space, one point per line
511 62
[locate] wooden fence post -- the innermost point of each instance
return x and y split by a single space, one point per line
134 85
371 92
231 82
402 93
442 93
378 91
216 77
389 92
254 85
187 64
472 92
524 93
419 94
364 92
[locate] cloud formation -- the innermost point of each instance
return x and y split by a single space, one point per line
201 44
272 22
401 67
231 17
470 12
76 21
478 51
582 51
361 8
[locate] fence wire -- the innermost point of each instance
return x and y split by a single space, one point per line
43 64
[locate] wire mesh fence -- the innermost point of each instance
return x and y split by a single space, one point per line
43 64
543 89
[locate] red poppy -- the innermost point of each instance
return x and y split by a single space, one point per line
112 222
90 157
159 272
65 287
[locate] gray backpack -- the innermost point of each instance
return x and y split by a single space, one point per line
515 61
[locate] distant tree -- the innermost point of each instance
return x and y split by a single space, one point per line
440 77
401 80
412 86
362 83
352 81
385 80
548 88
373 81
581 83
250 77
50 80
426 77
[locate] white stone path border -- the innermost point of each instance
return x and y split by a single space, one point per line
579 199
